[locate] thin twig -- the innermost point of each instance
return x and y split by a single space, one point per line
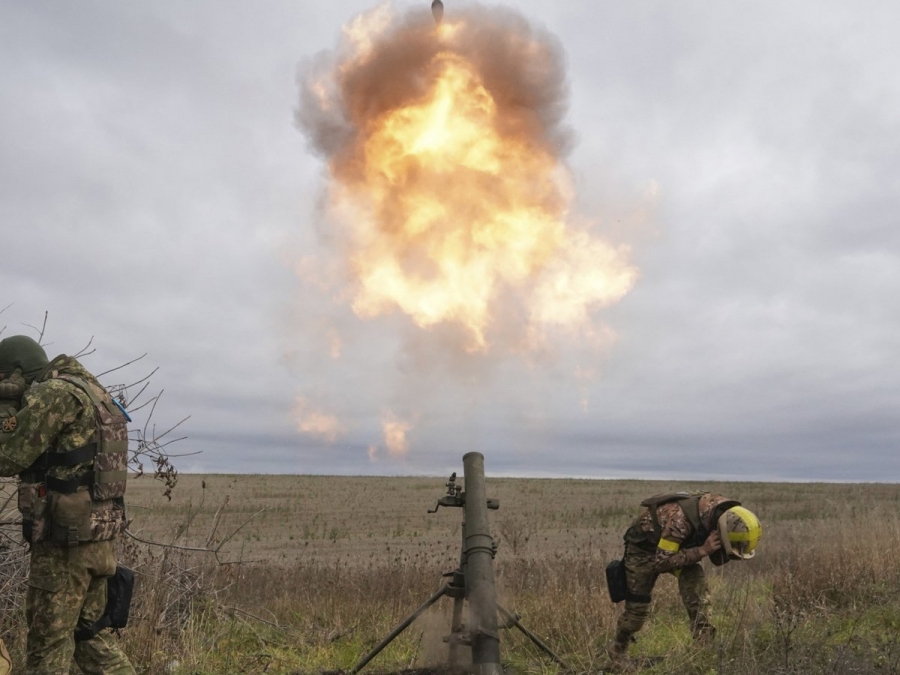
170 429
241 527
84 350
253 616
216 518
40 330
137 395
127 363
144 405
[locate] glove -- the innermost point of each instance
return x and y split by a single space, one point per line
712 544
11 389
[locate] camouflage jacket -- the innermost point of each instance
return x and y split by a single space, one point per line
676 530
55 415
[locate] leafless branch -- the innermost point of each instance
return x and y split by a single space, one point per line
40 331
1 312
155 400
143 405
143 379
84 350
133 398
179 454
127 363
172 428
201 549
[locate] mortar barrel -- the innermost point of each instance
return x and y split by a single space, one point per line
479 571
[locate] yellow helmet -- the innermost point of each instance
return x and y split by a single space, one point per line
740 531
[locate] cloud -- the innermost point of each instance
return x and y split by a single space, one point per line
395 435
316 423
155 192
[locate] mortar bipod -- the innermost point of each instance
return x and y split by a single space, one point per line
472 581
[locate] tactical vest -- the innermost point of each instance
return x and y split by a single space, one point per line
690 504
89 506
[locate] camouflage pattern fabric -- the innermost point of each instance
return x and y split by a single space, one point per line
54 414
67 591
648 554
676 529
59 415
111 461
641 570
67 585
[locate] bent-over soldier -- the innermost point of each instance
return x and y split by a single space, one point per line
67 440
673 533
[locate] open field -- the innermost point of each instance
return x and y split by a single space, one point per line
323 567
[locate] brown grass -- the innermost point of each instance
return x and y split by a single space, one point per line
333 563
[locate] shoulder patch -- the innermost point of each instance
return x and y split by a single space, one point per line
8 425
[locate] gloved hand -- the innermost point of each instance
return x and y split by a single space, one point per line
712 544
11 389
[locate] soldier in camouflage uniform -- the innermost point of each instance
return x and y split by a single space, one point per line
673 533
67 441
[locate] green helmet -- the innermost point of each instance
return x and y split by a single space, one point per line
20 351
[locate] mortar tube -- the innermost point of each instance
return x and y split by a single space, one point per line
479 570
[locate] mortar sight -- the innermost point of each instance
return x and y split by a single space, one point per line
456 497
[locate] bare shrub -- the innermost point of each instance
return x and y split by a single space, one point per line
516 530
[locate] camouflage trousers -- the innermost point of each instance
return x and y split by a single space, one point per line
641 574
66 591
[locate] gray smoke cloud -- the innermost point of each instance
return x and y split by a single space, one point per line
521 66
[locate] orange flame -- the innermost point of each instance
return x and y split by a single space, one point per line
456 200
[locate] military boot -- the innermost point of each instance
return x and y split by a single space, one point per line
618 652
704 633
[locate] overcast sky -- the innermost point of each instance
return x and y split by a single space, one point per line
157 196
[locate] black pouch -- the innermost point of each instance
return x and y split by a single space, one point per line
119 588
616 581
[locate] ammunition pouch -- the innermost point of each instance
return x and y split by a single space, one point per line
70 517
617 583
64 515
75 518
108 519
617 580
119 589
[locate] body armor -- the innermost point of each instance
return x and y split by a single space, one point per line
68 509
690 505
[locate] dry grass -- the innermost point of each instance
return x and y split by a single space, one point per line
332 564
